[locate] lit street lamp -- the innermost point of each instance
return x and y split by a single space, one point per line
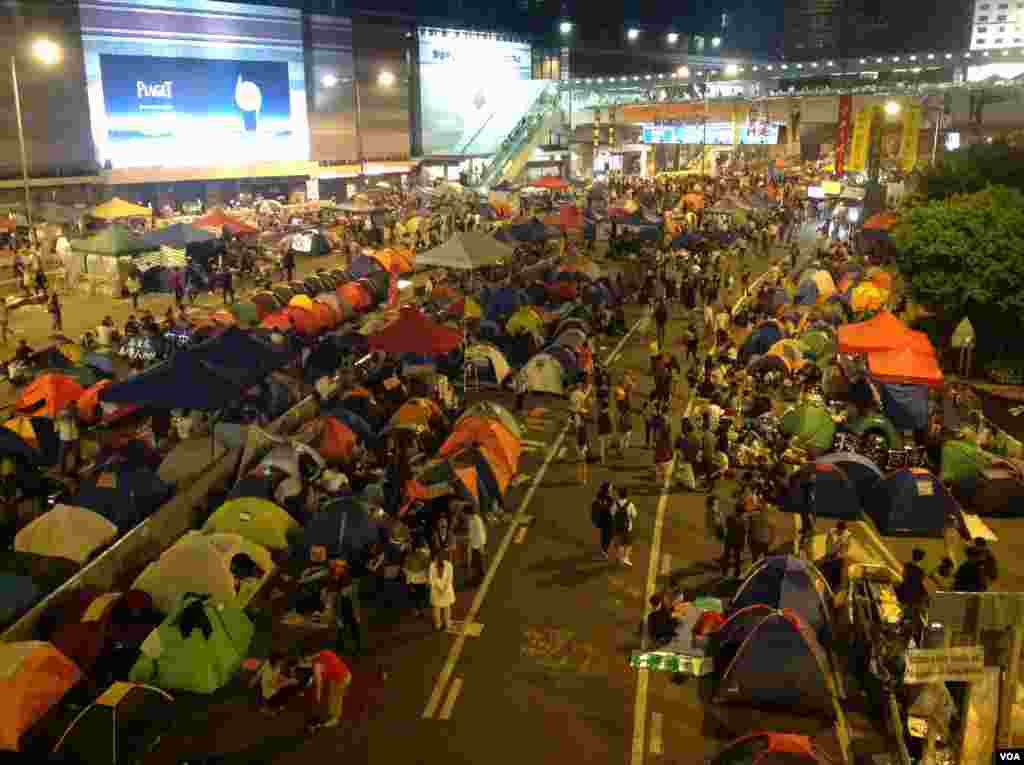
632 34
716 42
565 27
47 53
892 108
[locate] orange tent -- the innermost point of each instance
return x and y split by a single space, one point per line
279 320
883 332
402 261
336 316
49 394
223 317
502 475
549 182
355 296
306 322
467 475
89 400
383 257
416 411
34 676
324 315
490 433
905 366
336 440
881 279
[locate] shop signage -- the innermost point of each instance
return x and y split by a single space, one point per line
911 138
860 142
940 665
845 111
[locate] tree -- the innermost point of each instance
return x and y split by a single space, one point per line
973 168
965 256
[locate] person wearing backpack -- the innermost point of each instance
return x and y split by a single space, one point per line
601 516
624 514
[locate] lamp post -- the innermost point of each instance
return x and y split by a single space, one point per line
47 53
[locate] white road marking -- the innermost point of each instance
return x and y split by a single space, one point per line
666 564
640 706
460 642
521 534
471 629
449 703
878 543
657 722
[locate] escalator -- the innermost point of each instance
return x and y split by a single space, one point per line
509 162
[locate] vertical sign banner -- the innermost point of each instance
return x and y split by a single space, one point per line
597 131
911 138
611 129
735 125
845 108
859 143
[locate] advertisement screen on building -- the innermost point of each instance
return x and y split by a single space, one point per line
473 91
195 82
717 134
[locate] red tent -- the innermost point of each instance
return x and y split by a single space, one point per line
415 333
570 216
355 295
219 219
884 332
905 366
549 182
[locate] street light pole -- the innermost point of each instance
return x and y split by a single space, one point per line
359 129
21 145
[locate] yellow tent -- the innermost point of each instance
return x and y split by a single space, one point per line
867 297
524 321
302 301
118 208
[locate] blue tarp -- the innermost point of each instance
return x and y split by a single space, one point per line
906 406
785 581
913 502
178 236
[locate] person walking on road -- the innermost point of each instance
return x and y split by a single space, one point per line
582 448
56 314
625 426
520 386
442 590
761 533
227 283
477 544
134 287
601 517
604 432
70 446
624 515
735 542
661 322
5 321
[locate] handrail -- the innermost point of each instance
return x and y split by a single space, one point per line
465 148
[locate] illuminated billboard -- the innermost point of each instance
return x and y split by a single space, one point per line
473 91
716 134
209 83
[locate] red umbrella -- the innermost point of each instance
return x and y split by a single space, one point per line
415 333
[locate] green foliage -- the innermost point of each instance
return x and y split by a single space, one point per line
1006 371
966 254
973 168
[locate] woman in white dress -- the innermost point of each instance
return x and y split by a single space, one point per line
442 589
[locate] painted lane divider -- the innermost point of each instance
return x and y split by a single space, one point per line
666 564
521 534
657 723
453 696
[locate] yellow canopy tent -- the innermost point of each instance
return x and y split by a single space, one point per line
117 208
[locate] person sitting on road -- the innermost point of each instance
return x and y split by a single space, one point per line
661 623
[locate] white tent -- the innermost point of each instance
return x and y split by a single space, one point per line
74 533
467 251
201 563
543 374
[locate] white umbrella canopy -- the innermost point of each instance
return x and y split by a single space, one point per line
466 252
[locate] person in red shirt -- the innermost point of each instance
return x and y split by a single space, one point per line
331 680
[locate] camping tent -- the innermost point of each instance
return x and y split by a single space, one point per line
525 321
467 251
67 532
490 361
415 333
823 489
201 563
345 527
811 425
495 411
218 220
177 235
760 340
905 366
113 240
770 749
124 493
864 473
785 581
544 374
912 501
487 432
119 209
121 726
34 676
197 648
48 394
257 520
777 662
883 332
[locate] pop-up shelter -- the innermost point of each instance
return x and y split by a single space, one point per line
883 332
912 501
775 661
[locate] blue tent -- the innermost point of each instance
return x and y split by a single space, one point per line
17 594
12 445
825 489
776 662
177 235
760 340
123 493
905 405
504 302
785 581
864 473
235 349
912 501
345 527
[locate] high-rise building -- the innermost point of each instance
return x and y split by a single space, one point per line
997 24
848 28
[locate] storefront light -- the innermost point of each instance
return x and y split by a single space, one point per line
632 34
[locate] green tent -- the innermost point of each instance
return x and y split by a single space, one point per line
246 313
961 461
114 240
963 335
811 425
820 344
255 519
204 659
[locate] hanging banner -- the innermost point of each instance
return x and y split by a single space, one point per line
911 138
845 109
858 161
597 130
